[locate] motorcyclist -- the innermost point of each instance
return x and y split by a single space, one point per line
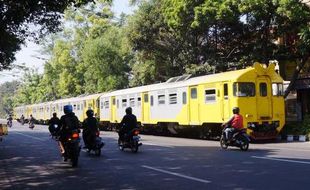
90 128
10 120
54 124
22 119
31 121
234 124
128 123
68 123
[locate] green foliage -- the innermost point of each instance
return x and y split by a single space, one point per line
7 90
298 128
17 18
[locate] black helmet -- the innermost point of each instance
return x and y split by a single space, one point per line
54 114
236 110
90 113
128 110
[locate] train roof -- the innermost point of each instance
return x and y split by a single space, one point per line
224 76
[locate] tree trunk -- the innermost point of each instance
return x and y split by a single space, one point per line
296 74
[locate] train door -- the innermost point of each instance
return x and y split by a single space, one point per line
226 106
193 106
113 110
263 98
145 115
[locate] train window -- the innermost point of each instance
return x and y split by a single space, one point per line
124 103
161 99
277 89
193 93
146 98
78 107
184 98
263 89
113 101
74 107
85 104
106 104
152 100
132 102
117 103
244 89
225 91
210 95
172 98
101 105
139 101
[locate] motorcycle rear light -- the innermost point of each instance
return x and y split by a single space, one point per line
75 135
136 132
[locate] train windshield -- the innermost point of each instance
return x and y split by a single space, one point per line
277 89
244 89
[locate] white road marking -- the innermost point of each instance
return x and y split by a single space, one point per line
153 144
281 160
177 174
36 138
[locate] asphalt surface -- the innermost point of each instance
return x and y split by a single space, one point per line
30 159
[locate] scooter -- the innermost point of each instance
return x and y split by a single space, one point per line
131 140
239 139
96 145
72 147
31 125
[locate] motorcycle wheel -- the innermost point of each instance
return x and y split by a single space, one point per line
223 143
98 152
74 161
121 147
244 144
135 147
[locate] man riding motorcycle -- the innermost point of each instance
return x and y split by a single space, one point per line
53 124
90 128
234 124
128 123
10 120
67 124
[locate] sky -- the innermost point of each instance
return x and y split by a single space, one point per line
30 53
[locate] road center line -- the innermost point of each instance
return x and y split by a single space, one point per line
36 138
281 160
177 174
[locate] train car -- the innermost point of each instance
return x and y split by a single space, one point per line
205 102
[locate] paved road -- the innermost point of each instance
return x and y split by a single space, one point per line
30 159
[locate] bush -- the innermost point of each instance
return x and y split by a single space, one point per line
298 128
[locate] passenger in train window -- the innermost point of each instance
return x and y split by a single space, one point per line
234 124
128 123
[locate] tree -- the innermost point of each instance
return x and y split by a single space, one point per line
20 17
7 90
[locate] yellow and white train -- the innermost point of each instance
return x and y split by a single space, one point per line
201 103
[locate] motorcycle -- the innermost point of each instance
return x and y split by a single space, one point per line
96 145
72 147
130 140
239 139
31 125
9 123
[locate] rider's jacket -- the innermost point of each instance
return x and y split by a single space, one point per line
237 121
128 122
90 126
68 123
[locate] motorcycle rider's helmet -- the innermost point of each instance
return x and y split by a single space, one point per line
90 113
128 110
67 109
236 110
54 114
